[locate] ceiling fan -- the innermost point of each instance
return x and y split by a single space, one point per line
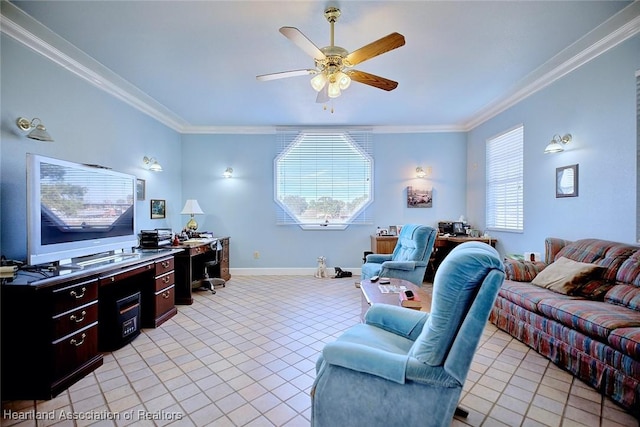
333 72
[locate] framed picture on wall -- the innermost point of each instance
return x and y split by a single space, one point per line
158 209
419 198
140 188
567 181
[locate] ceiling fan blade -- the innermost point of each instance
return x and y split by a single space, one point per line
296 36
378 47
323 95
372 80
284 74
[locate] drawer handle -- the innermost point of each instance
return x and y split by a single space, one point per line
78 343
166 279
166 294
75 294
165 264
73 317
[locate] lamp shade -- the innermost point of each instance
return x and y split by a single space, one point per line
40 134
191 207
155 167
553 147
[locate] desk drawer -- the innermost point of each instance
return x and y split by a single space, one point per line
66 323
164 281
74 350
165 300
164 266
73 296
199 250
125 274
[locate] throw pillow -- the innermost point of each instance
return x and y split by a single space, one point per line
565 276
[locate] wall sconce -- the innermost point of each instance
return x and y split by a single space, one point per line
39 132
557 143
191 207
152 163
421 173
228 173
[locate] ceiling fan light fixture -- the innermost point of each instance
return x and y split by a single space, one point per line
344 81
318 82
334 90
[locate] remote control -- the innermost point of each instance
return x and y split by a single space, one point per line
374 279
385 281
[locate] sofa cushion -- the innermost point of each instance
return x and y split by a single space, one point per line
624 295
627 340
526 295
607 254
565 275
592 318
522 271
629 271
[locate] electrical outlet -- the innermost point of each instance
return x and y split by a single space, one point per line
256 255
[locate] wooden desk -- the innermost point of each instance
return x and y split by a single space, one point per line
190 264
444 245
383 244
371 295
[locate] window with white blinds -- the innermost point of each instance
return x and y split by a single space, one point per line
323 179
504 181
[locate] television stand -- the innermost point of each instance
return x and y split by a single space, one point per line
55 324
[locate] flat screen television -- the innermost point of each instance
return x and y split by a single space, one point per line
76 210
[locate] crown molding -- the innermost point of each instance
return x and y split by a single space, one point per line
620 27
31 33
265 130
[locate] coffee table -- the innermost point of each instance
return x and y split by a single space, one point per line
371 294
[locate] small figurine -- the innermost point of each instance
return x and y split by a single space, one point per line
321 271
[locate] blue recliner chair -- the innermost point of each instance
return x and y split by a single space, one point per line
404 367
409 259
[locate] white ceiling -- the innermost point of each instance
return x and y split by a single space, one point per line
192 64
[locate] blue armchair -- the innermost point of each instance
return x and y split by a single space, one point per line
409 259
403 367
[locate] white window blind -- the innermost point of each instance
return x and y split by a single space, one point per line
323 179
504 181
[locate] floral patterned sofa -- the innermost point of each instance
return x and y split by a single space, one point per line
585 317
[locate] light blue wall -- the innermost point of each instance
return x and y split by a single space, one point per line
597 105
243 207
88 126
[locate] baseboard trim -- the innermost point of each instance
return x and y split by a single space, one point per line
287 271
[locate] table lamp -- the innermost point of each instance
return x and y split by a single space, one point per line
191 207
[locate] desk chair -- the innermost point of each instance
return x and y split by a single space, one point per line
209 283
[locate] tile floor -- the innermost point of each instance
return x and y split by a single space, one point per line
246 357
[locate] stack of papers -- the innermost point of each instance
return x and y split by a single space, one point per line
391 289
